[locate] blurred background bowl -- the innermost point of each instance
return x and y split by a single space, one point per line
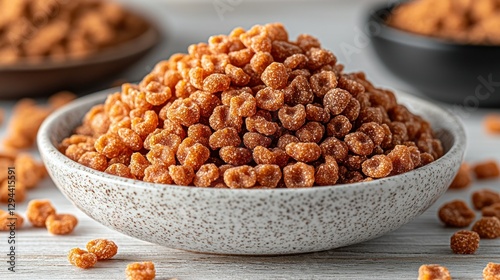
41 79
456 73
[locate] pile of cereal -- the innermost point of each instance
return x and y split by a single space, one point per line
465 21
253 110
31 30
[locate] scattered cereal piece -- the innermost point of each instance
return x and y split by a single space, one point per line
61 224
492 210
491 271
464 242
492 123
484 198
140 271
81 258
433 272
38 211
456 214
487 227
6 221
486 170
463 178
103 249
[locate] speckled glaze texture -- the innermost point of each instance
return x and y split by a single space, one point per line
251 222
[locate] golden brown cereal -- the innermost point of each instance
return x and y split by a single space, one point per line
487 169
6 221
140 271
464 22
378 166
464 242
61 224
181 175
463 179
456 214
268 175
240 177
157 173
339 126
81 258
327 173
38 211
433 272
492 210
103 249
484 198
206 175
359 143
305 152
298 175
491 271
252 98
492 123
487 227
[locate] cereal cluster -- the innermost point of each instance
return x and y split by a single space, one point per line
465 21
456 214
433 272
41 213
253 110
31 30
97 250
140 271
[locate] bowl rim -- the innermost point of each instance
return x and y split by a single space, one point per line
378 15
146 40
46 146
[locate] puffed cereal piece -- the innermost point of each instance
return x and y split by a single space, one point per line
433 272
298 175
487 227
292 118
463 179
492 123
486 170
140 271
492 210
327 173
456 214
484 198
38 211
119 169
491 271
378 166
157 173
464 242
138 163
268 175
235 155
6 220
305 152
336 100
359 143
103 249
401 159
61 224
81 258
181 175
240 177
206 175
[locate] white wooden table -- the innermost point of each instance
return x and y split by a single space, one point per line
394 256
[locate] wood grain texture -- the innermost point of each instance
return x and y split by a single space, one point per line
397 255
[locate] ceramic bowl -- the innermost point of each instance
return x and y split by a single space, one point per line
251 222
461 74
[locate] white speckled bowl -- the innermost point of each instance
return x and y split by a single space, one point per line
251 222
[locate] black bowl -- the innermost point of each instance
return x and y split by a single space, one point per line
466 75
29 79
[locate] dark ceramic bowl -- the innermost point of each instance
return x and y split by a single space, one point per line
29 79
466 75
